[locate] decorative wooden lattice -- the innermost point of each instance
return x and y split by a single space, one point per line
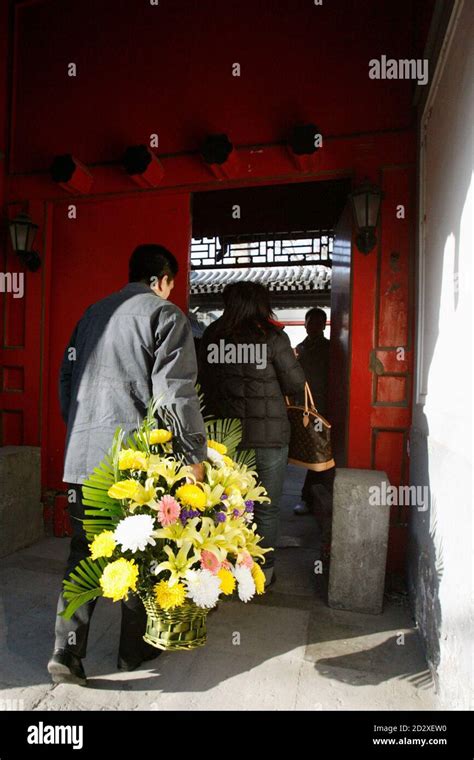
313 247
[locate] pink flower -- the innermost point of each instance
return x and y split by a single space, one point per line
245 559
168 510
210 562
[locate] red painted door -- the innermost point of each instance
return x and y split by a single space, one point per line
20 343
381 364
89 260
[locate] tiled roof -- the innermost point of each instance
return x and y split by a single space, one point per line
276 279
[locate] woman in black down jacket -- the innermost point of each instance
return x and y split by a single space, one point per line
246 367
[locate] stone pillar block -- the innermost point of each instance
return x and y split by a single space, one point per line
359 542
21 511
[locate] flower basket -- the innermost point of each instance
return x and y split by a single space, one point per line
179 628
180 544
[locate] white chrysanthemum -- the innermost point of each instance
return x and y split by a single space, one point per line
135 532
214 457
245 583
203 588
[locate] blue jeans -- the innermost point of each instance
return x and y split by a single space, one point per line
271 470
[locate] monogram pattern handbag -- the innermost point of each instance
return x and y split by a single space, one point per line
310 442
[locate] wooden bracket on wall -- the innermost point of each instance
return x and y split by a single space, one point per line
142 166
71 175
304 147
221 157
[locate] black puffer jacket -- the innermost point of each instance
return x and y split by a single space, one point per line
254 395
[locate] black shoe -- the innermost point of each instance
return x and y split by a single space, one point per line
301 509
66 667
126 665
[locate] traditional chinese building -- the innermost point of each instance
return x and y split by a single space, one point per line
257 145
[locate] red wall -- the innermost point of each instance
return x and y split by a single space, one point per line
4 40
167 69
89 260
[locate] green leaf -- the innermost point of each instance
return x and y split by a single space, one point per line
86 574
79 600
247 457
227 431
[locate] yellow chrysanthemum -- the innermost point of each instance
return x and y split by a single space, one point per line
132 460
119 578
160 436
103 545
258 577
124 489
169 596
192 496
228 460
217 446
227 581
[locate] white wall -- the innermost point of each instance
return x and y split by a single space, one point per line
441 549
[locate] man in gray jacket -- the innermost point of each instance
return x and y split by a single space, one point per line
127 348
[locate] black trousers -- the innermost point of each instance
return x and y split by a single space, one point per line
313 478
72 634
317 494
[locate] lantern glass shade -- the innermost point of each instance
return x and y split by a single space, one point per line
23 233
366 203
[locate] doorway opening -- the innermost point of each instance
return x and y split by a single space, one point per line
283 237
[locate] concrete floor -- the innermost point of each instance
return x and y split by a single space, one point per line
294 653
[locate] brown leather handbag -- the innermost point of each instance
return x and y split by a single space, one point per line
310 442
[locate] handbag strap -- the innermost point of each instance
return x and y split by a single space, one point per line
308 399
308 395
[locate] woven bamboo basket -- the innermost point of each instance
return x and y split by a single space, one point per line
180 628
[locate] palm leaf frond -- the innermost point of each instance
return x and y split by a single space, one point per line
82 584
247 457
227 431
103 513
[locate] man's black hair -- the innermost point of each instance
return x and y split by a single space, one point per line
150 261
316 313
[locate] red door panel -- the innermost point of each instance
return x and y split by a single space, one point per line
381 348
20 344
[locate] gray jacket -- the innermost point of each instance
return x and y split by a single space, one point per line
127 348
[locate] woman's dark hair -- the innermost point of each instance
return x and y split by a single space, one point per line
247 311
150 261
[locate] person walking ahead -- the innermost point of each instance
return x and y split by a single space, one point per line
313 355
246 367
126 349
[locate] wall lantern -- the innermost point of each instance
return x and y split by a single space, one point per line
23 232
220 156
366 199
